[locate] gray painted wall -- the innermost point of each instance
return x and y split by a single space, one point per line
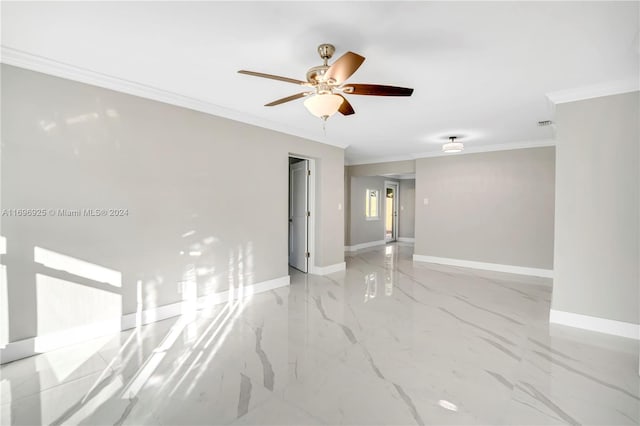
596 240
494 207
191 182
407 213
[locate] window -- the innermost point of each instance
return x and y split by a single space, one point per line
371 204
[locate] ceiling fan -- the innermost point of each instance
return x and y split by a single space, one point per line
327 82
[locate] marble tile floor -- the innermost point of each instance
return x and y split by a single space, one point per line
388 342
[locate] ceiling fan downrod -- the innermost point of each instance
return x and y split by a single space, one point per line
326 51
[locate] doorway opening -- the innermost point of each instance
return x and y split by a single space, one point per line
301 217
391 211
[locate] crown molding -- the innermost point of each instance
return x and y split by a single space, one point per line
55 68
399 176
490 148
608 88
388 159
475 150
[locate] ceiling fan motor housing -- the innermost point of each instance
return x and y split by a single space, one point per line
316 74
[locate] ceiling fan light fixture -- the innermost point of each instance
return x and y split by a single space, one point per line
452 146
323 106
326 79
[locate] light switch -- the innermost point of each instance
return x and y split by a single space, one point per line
401 207
426 201
339 206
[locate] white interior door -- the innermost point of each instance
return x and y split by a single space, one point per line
298 214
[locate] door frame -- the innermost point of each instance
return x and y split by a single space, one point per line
396 196
311 225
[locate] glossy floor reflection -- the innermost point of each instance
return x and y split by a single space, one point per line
387 342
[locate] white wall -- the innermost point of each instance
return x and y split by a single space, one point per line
493 207
190 183
596 240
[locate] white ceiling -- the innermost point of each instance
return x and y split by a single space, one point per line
480 70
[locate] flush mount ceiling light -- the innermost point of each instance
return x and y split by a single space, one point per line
452 146
327 82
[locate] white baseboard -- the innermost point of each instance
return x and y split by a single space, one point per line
52 341
17 350
601 325
150 315
406 240
364 245
511 269
326 270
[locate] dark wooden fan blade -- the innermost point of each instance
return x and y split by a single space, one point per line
288 98
273 77
345 108
344 67
376 90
